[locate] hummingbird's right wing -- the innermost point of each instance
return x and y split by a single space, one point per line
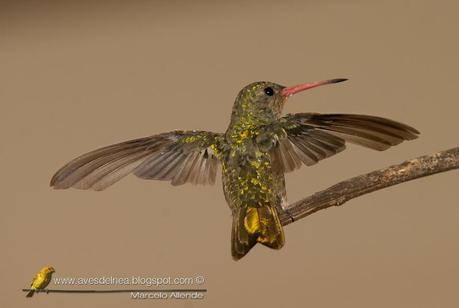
177 156
310 137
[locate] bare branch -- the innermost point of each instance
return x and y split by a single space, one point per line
349 189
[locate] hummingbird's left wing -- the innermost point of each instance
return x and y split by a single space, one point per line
310 137
177 156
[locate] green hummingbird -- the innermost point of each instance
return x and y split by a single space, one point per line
257 149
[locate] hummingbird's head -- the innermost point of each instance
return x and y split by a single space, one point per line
264 100
260 100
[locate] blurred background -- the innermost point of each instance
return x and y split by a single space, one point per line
77 75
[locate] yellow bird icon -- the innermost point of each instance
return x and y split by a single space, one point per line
41 279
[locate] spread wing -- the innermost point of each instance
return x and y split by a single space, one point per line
309 137
178 156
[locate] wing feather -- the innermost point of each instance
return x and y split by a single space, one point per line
178 156
311 137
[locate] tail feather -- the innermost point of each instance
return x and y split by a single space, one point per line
253 225
30 294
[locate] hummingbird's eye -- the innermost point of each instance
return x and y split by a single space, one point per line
269 91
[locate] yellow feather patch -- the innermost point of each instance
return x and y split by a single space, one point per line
252 221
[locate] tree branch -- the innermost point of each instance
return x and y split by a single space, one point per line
349 189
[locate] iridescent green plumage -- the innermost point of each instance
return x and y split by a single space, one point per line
252 187
256 150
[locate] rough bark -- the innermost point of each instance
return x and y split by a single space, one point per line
344 191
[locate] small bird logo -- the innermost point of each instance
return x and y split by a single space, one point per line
41 280
259 146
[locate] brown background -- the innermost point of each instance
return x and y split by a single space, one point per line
77 75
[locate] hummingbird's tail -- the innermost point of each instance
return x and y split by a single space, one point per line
30 294
252 225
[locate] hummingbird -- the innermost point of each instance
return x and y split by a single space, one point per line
259 146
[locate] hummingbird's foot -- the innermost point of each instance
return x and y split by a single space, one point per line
290 216
283 209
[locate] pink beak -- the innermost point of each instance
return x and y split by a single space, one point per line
289 91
